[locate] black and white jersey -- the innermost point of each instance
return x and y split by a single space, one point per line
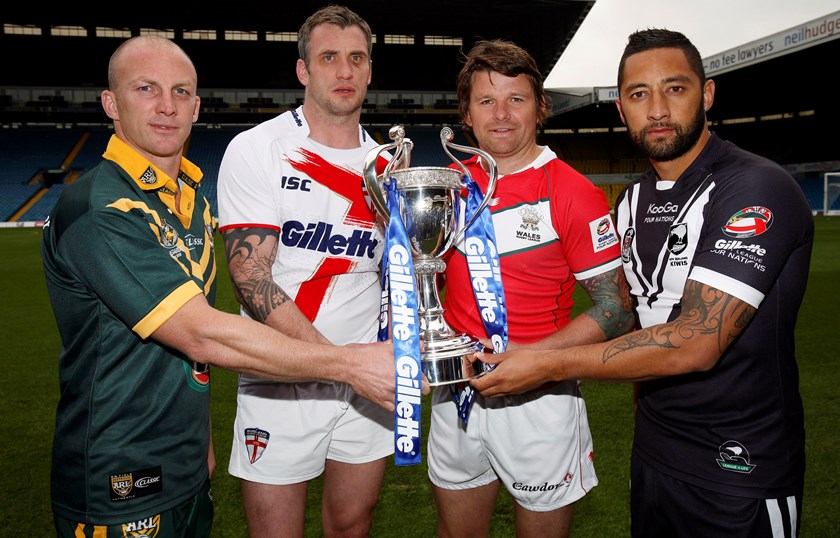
739 223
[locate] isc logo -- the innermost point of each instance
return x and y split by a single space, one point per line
293 183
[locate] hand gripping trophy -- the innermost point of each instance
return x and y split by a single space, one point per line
427 201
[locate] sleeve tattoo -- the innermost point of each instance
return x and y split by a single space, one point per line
250 253
611 308
705 311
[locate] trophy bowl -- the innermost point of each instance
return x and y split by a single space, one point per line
430 209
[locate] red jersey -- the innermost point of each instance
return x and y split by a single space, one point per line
553 227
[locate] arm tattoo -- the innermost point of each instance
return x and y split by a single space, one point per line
250 270
705 311
611 308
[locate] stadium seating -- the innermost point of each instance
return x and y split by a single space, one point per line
206 148
26 151
32 157
13 197
41 209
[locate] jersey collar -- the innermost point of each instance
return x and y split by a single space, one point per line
149 177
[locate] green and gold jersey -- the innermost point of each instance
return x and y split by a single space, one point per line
132 424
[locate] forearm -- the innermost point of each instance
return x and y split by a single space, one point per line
673 348
267 353
709 322
236 343
624 359
580 331
610 315
288 319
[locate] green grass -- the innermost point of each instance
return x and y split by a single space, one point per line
29 381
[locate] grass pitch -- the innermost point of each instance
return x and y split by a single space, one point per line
29 381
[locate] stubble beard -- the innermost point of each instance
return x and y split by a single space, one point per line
685 137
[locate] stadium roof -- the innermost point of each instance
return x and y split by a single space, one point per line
782 84
543 27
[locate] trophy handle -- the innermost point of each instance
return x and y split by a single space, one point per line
400 159
446 137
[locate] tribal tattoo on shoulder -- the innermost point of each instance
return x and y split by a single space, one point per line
250 253
705 311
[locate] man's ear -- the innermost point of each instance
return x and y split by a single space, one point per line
109 104
302 72
620 112
708 94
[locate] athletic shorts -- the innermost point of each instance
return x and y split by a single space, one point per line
192 518
661 505
285 432
538 444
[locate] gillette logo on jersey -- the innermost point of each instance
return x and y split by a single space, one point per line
319 236
603 233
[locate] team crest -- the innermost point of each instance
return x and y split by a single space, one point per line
122 484
748 222
734 457
530 219
627 244
168 234
678 238
256 441
149 177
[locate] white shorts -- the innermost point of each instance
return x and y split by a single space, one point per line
538 444
285 432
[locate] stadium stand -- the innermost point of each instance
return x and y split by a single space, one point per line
28 151
52 127
205 148
36 160
13 197
40 209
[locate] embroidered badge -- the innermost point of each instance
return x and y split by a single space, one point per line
256 441
603 233
734 457
168 234
678 238
749 222
627 244
149 177
135 484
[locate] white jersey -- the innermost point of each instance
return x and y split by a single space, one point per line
328 256
330 247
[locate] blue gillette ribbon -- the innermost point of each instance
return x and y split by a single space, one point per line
486 277
405 324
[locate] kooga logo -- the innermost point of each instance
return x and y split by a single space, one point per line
318 236
667 208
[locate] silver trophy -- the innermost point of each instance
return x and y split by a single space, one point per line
429 207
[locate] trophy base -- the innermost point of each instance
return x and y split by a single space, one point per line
448 361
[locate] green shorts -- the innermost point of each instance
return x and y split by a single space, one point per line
192 518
